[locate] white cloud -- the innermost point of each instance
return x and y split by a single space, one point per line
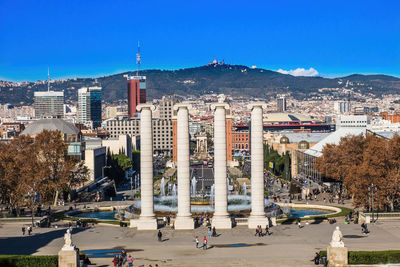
300 72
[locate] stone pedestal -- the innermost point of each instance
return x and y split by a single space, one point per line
337 256
68 257
254 221
220 222
145 223
184 223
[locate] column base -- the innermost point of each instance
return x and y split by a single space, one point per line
254 221
337 256
149 223
184 223
223 222
68 257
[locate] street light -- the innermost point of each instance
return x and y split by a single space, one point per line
371 190
32 194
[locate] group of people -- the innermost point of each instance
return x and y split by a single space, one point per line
120 259
212 232
29 230
259 231
205 241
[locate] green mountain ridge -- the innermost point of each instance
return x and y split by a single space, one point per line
236 80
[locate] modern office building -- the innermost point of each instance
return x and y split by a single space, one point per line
341 107
89 106
281 104
136 93
162 126
49 104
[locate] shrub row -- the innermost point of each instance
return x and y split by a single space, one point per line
371 257
27 260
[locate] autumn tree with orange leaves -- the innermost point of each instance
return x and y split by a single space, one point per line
358 161
38 165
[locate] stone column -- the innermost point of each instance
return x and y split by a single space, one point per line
257 215
147 219
221 219
184 217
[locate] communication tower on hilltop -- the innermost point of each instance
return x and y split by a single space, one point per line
136 88
138 58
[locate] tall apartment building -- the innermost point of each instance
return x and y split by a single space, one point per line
281 104
341 107
49 104
162 127
89 106
136 93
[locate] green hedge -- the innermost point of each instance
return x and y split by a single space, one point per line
371 257
26 260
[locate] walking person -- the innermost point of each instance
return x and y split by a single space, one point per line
256 231
29 230
197 242
205 243
115 261
123 255
23 230
130 260
214 232
159 235
209 232
267 232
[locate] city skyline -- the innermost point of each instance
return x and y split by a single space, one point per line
87 40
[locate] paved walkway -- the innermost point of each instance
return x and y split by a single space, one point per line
287 246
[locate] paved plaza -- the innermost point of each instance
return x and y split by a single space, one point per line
287 246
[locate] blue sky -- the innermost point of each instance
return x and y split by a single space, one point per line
93 38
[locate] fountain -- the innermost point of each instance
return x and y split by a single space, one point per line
162 187
174 190
212 192
194 184
244 189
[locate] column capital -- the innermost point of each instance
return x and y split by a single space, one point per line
262 105
182 105
214 106
140 107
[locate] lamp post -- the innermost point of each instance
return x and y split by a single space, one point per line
32 194
371 190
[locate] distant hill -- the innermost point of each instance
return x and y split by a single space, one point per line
234 80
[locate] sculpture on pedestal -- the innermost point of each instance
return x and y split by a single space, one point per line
68 240
337 239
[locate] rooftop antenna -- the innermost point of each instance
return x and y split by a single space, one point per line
138 58
48 79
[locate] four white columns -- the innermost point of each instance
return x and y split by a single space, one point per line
221 219
183 219
257 215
